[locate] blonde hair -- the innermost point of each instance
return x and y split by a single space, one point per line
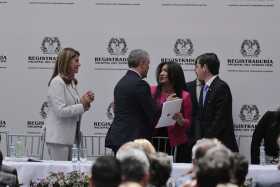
63 62
146 146
129 145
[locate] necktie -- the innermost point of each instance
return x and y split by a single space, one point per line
205 90
198 91
200 102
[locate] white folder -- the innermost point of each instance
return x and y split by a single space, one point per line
169 108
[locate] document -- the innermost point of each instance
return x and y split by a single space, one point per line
169 108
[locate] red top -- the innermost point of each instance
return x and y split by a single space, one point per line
177 134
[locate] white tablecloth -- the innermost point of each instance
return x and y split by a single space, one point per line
262 175
28 171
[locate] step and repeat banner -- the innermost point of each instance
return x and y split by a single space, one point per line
244 34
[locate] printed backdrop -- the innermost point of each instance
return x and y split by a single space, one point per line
244 34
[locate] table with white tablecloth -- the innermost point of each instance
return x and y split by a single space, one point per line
28 171
263 176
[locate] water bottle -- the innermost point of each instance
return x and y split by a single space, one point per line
75 158
19 147
262 154
12 150
74 153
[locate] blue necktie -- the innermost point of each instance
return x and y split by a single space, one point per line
205 90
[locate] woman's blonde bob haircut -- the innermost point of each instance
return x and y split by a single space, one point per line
63 61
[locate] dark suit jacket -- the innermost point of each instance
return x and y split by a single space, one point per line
191 88
194 132
7 179
267 129
8 176
216 114
134 111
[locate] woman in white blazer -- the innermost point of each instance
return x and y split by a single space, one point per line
65 106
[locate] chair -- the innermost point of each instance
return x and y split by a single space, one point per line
3 141
95 146
161 144
33 144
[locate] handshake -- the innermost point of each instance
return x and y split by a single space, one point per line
87 99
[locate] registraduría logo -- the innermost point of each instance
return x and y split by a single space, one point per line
249 113
250 48
3 123
50 45
37 124
3 59
117 46
252 59
105 123
183 47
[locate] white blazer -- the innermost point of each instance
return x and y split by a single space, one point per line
64 111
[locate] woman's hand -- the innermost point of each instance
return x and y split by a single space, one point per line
90 95
86 99
179 118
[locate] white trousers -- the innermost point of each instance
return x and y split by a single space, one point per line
59 152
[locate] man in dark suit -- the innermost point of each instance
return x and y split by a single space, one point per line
133 104
194 88
215 102
194 132
8 175
268 131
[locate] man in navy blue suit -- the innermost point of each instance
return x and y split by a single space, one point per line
194 132
215 102
194 88
133 104
8 175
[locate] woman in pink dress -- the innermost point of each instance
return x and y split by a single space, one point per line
171 83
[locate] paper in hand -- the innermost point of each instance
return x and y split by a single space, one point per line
169 108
